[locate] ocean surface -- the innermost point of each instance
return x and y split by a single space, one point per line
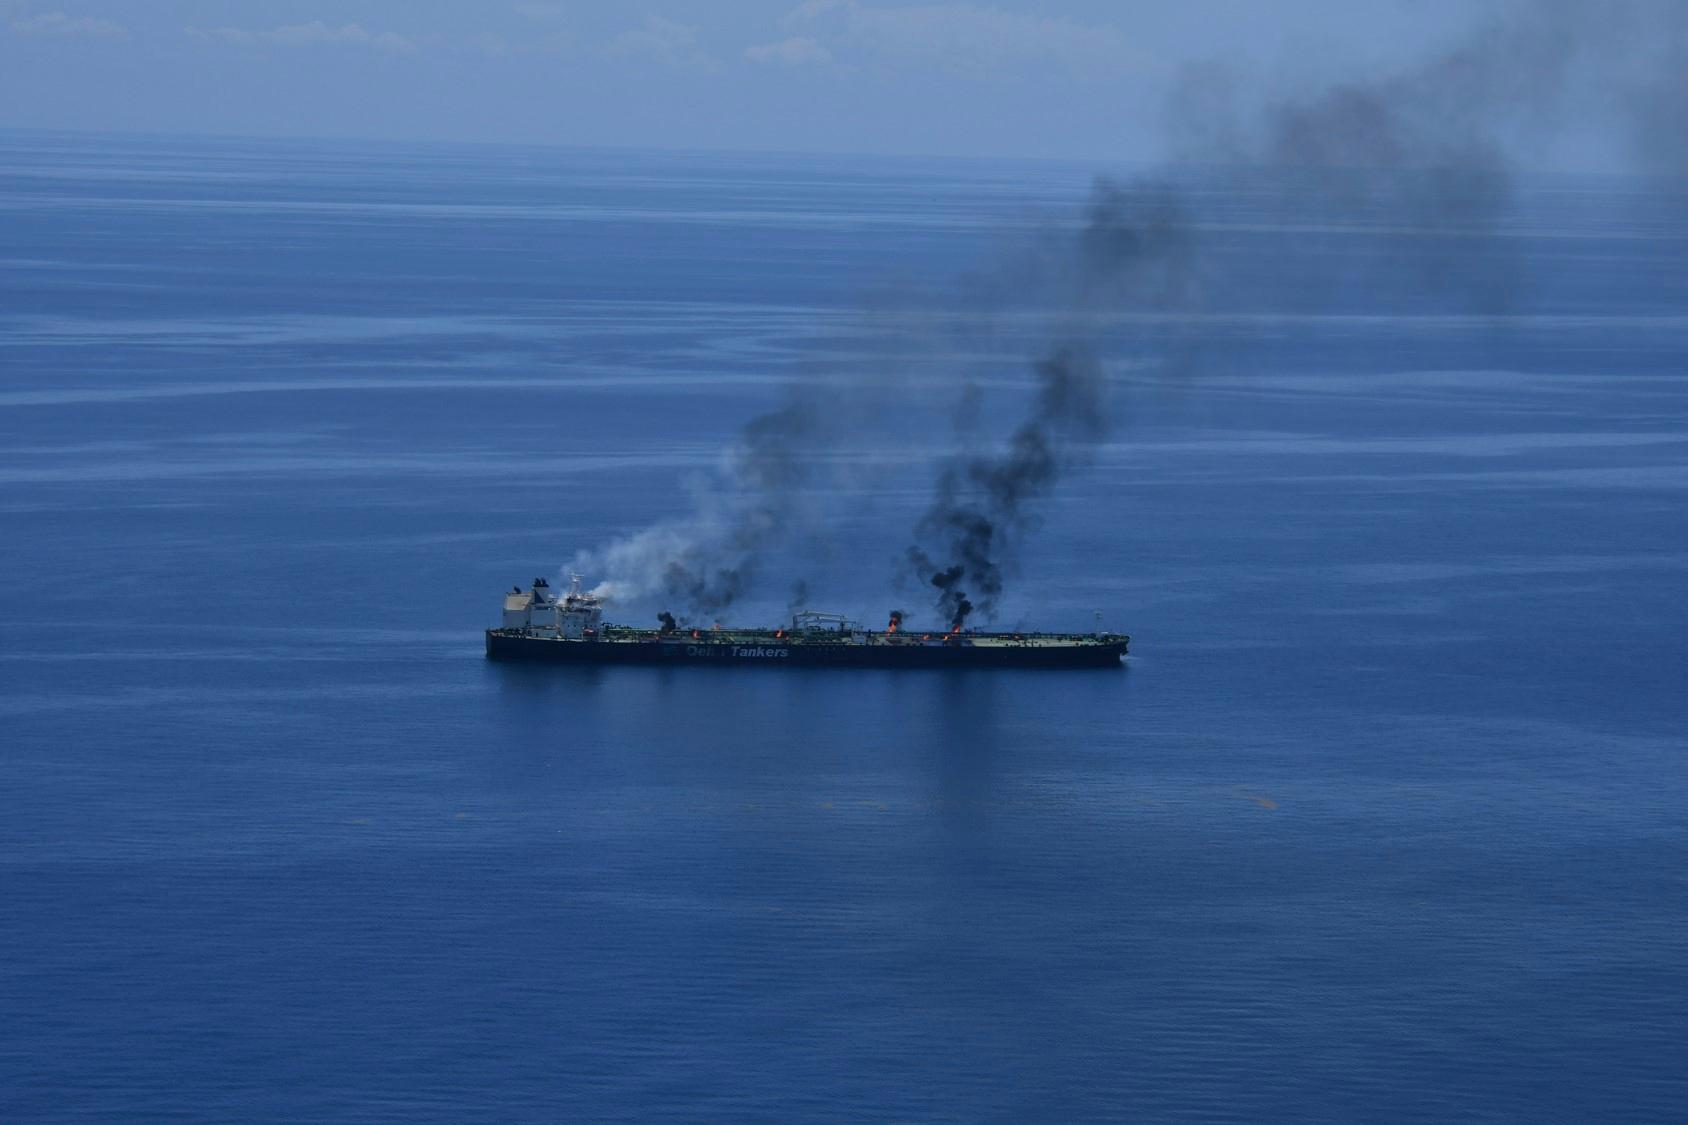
1385 819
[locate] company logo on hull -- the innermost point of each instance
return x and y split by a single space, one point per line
742 653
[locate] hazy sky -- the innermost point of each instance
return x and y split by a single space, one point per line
1068 78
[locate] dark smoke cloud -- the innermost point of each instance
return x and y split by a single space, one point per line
1423 153
1134 247
1423 156
1430 149
669 625
1509 76
707 559
767 474
953 605
1426 153
1654 89
1135 251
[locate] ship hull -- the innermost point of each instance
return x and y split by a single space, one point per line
512 645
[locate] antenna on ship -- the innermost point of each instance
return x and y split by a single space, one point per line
574 585
1098 623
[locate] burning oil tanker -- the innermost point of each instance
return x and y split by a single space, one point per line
540 626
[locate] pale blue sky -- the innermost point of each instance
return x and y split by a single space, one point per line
1072 78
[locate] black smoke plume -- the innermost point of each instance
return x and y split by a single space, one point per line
1653 84
669 625
1421 155
952 600
707 559
1135 252
1425 153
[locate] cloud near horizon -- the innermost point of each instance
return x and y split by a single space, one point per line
799 50
665 41
541 12
959 37
1041 78
313 34
58 23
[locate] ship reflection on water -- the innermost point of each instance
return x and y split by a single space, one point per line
954 749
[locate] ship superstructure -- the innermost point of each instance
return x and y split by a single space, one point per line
537 611
538 625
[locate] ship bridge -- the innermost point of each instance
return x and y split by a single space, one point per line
538 611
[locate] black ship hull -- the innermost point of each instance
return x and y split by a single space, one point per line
506 644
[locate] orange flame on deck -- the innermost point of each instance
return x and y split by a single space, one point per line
893 627
778 633
695 634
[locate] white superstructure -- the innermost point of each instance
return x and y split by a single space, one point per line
575 616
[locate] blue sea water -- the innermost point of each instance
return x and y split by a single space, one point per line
1385 819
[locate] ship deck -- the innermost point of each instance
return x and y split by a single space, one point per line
627 634
617 644
900 639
